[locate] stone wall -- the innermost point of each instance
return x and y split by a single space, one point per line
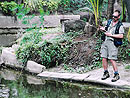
10 28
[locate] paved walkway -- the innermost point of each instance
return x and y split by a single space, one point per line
92 77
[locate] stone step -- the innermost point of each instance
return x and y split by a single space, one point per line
90 77
63 76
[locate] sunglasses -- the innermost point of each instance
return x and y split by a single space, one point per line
115 16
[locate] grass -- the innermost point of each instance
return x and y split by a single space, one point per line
127 67
51 30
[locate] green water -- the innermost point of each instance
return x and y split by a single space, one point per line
16 85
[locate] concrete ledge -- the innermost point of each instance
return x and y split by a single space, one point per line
7 40
49 21
93 77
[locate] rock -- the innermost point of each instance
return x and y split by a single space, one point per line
90 29
74 25
9 75
34 67
8 57
87 16
55 20
7 39
34 80
15 47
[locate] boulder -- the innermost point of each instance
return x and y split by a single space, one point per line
74 25
86 15
8 57
9 75
34 80
34 67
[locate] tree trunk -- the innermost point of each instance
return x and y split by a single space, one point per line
123 11
110 8
127 3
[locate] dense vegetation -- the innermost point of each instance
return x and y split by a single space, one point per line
46 52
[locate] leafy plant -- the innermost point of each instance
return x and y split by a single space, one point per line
45 52
95 6
51 5
33 4
71 5
124 50
46 5
127 67
7 7
96 62
32 47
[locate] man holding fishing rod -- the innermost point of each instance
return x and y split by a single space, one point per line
113 35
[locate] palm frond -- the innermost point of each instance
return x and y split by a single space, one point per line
86 9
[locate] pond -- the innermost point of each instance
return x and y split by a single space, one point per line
14 84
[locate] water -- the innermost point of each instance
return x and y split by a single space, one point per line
13 84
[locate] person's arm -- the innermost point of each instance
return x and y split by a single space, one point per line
120 35
114 35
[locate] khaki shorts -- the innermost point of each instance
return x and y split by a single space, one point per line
109 50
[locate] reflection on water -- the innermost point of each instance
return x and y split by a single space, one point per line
16 85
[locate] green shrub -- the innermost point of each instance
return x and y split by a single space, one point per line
71 5
48 53
124 50
127 67
6 7
51 5
48 5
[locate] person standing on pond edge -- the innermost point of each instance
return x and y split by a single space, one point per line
108 50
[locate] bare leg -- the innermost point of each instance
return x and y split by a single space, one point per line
105 66
116 74
105 63
114 65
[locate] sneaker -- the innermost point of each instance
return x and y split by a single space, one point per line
115 78
105 75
